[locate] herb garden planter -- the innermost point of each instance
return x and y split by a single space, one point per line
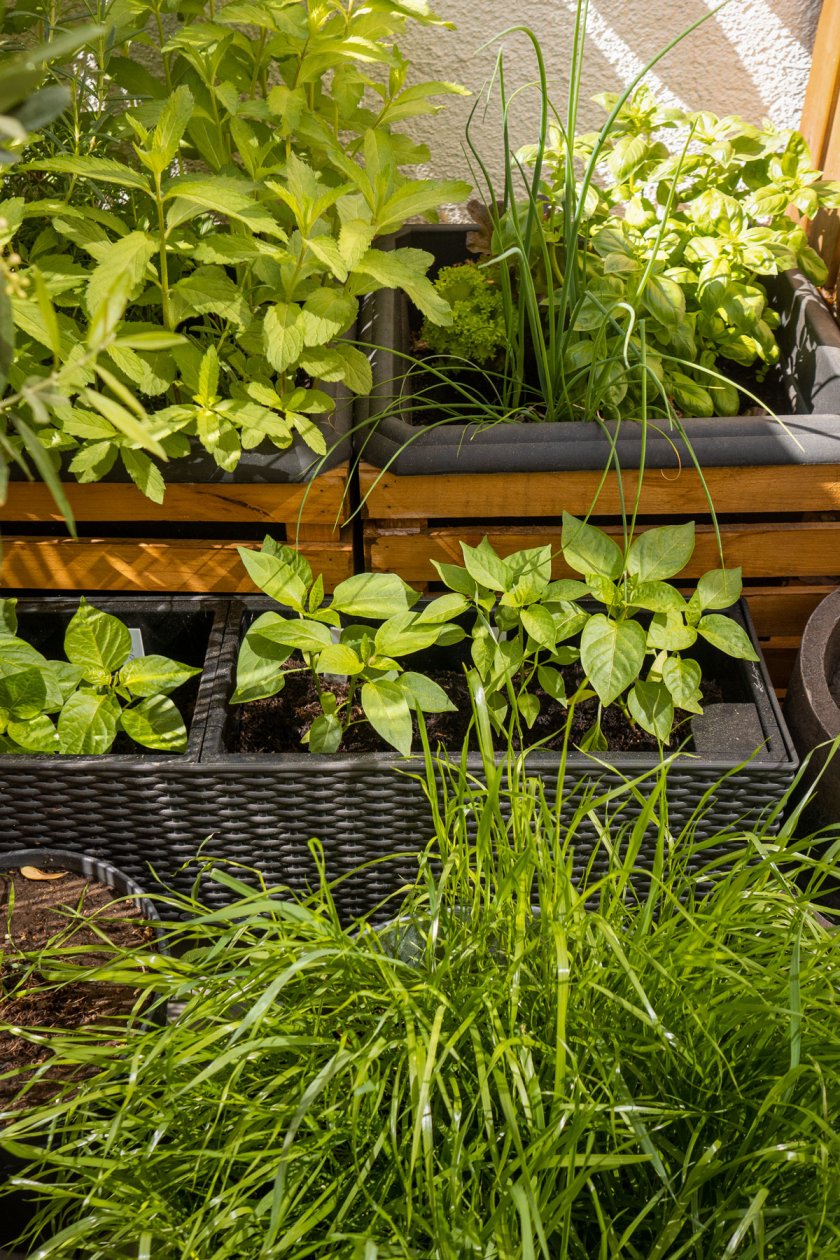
512 481
124 807
188 542
263 809
19 1206
812 706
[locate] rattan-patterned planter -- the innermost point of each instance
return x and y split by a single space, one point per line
263 809
123 808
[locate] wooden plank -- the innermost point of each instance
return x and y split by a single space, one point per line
822 94
763 550
799 488
114 564
784 610
318 502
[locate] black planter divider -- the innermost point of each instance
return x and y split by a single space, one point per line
263 808
809 340
124 808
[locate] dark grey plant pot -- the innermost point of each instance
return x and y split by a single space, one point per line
812 708
124 808
263 809
20 1205
810 434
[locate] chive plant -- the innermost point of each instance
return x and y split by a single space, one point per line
508 1060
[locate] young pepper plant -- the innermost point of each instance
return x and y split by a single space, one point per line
80 705
631 649
323 638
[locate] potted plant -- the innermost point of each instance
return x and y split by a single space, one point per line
624 280
812 707
221 267
86 741
63 913
399 657
485 1085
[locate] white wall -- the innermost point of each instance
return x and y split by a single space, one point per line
751 58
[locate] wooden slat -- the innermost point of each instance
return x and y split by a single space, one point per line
763 550
318 502
797 488
822 94
782 611
114 564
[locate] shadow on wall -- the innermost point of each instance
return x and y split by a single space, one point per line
752 59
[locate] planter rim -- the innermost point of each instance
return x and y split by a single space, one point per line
821 641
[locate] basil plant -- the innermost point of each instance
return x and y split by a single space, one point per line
80 705
362 634
630 631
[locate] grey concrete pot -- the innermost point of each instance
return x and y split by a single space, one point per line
812 707
809 340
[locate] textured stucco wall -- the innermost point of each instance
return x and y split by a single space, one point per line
751 58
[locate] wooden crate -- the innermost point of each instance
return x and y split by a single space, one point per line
187 543
820 125
790 561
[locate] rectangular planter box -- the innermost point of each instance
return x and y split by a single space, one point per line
188 543
124 808
776 490
264 808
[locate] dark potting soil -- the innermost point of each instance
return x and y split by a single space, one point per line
276 725
31 915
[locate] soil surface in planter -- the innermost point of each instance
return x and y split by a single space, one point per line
276 725
32 913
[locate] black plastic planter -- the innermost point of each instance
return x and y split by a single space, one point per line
263 809
19 1206
810 434
122 807
812 707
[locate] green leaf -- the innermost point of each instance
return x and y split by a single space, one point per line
552 683
88 722
650 705
149 675
104 170
325 734
276 575
682 678
587 549
283 335
669 631
485 567
378 595
661 552
719 588
338 658
8 616
387 709
425 693
259 672
356 370
529 707
444 608
406 269
326 314
23 692
208 291
145 475
656 597
227 196
298 633
155 723
124 262
612 654
665 300
123 420
418 197
725 634
171 125
539 624
404 633
97 642
35 734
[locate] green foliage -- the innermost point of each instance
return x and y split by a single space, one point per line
521 1063
477 331
217 211
321 638
630 650
81 704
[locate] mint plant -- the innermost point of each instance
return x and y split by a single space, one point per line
237 190
81 704
323 638
631 650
